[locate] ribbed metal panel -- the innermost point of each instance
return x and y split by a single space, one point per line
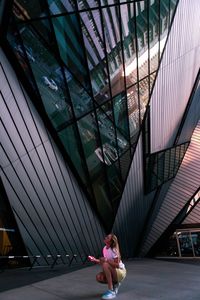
172 89
51 211
192 116
134 207
184 186
194 215
176 76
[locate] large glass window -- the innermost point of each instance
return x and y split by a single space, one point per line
92 65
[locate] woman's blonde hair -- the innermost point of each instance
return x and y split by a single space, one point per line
114 244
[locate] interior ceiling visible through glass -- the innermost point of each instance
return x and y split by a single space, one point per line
93 64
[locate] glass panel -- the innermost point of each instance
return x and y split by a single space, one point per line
167 165
69 41
97 158
154 35
172 4
107 130
91 145
133 112
153 169
160 170
182 151
113 48
70 140
144 95
23 55
129 43
142 38
162 166
45 69
111 151
60 6
128 40
196 242
172 161
177 159
120 114
25 10
152 78
82 102
164 23
51 80
95 51
185 244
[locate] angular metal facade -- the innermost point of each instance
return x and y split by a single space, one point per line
49 203
52 213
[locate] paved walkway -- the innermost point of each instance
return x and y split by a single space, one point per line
146 279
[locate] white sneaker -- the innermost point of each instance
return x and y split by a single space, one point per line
108 295
116 287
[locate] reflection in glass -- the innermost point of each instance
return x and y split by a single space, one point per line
69 40
69 137
133 111
154 35
120 114
143 39
185 243
95 52
113 48
196 242
93 65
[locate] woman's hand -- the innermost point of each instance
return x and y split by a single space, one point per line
103 259
93 259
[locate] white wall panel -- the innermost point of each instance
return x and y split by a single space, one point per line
176 76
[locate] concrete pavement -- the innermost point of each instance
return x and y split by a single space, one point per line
146 279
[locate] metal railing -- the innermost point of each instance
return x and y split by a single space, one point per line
51 260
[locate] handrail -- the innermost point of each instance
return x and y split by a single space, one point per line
55 258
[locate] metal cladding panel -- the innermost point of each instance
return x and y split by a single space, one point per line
134 207
183 187
192 116
176 75
51 211
194 215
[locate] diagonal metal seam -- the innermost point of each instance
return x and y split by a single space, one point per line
130 163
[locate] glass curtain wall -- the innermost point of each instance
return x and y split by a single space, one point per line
183 243
93 64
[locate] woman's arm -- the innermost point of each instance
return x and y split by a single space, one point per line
114 262
94 259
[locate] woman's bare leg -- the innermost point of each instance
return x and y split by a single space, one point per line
110 274
101 277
